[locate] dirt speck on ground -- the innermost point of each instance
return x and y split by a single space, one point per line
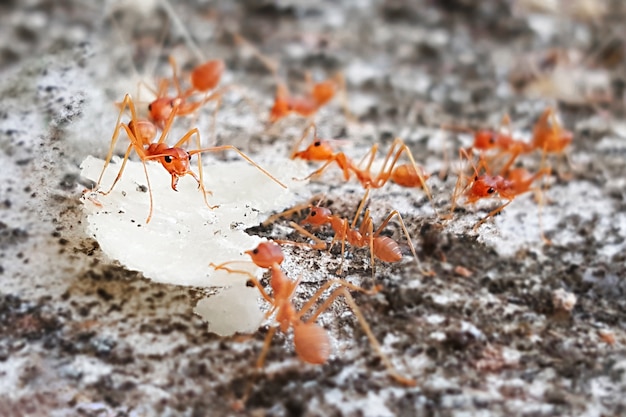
506 325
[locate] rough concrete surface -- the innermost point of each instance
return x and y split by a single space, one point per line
494 332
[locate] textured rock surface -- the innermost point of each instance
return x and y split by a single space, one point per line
81 335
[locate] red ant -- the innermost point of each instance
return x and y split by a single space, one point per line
175 160
204 78
406 175
317 95
507 186
500 139
322 150
383 248
311 341
549 136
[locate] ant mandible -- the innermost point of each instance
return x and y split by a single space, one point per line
311 341
175 159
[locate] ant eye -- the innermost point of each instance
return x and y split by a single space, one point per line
313 213
150 107
476 178
490 190
317 143
189 156
256 251
167 158
492 139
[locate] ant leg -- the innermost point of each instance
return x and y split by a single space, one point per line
367 231
539 196
360 208
460 177
297 209
372 155
127 102
259 364
491 214
153 63
367 222
183 29
268 63
569 163
192 108
251 278
199 180
393 372
243 155
309 304
540 191
145 170
318 245
344 233
168 123
148 87
510 162
172 62
385 174
318 171
266 346
233 87
340 80
443 172
305 133
456 194
408 238
133 145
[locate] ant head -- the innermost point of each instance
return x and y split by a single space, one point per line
483 186
485 139
318 216
175 161
266 254
144 130
318 150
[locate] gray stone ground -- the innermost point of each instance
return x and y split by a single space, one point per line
80 335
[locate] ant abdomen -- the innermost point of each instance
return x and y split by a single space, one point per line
386 249
311 342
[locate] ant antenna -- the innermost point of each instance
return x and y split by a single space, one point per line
191 44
